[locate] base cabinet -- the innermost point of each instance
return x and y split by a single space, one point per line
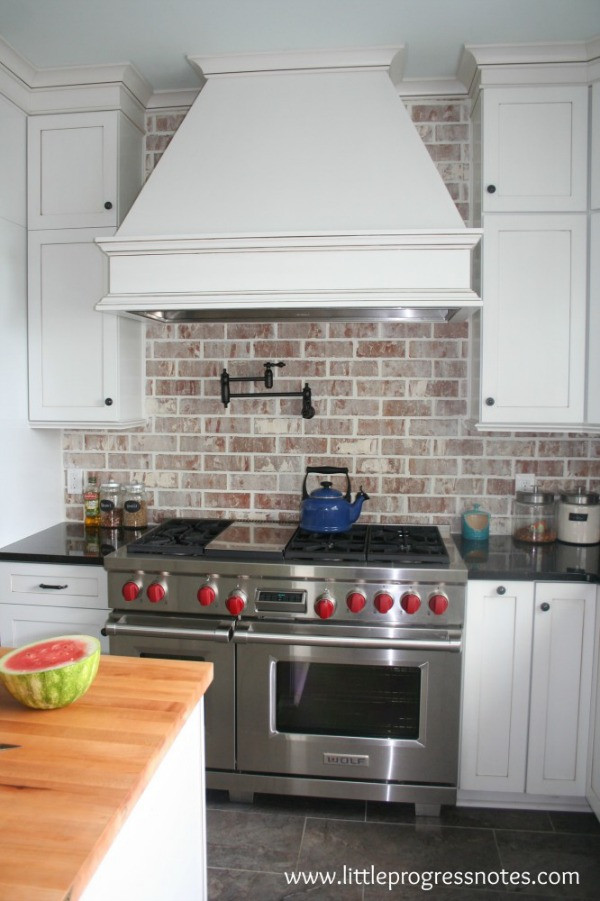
527 687
170 815
593 779
39 601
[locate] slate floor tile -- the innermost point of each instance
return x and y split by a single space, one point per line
566 821
234 885
468 817
253 841
297 805
536 852
328 844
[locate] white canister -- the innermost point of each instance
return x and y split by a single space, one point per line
579 518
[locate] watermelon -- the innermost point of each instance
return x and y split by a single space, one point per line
51 673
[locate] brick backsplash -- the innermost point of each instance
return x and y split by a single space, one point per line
390 401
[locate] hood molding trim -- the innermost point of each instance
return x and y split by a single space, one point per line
293 276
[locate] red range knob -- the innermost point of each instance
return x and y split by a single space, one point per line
383 601
324 607
155 592
235 603
206 595
131 591
410 602
356 601
438 604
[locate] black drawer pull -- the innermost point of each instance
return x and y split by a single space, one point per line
45 587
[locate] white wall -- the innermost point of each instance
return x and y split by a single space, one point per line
31 491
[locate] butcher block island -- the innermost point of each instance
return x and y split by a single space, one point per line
105 798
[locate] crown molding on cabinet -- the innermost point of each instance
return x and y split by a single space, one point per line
570 62
72 88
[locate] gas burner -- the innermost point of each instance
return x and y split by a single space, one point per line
329 547
406 545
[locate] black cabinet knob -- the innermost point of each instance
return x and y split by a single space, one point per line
489 401
491 189
108 205
545 607
501 589
108 401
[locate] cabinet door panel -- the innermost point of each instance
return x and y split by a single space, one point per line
22 624
495 680
72 346
560 688
535 142
534 317
593 779
72 162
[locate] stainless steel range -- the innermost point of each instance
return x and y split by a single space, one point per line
337 657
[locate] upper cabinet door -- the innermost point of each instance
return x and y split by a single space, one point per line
72 163
535 149
534 323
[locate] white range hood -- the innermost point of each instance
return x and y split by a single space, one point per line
296 187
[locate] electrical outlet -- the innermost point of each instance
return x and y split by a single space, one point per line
524 481
75 481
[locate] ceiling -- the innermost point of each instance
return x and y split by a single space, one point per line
157 35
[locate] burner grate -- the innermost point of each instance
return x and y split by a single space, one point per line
406 545
329 547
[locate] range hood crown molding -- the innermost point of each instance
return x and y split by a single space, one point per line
296 185
387 59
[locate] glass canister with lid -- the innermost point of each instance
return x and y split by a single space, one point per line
579 517
135 506
535 517
111 508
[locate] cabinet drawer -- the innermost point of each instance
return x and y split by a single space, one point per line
71 586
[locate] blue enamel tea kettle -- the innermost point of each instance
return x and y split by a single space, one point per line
328 510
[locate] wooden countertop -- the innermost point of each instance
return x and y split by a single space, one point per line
65 793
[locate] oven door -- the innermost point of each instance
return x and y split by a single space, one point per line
349 703
188 638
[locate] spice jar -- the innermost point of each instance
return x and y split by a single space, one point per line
111 509
135 506
535 517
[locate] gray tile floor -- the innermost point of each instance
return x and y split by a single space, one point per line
251 847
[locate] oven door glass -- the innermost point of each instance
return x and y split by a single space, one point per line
345 699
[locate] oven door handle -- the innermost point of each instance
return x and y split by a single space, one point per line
123 627
349 641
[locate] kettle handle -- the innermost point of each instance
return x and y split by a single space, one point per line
327 471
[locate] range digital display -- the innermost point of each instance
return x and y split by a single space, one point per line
281 600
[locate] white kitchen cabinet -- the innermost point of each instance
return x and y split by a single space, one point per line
534 320
40 600
595 147
593 775
535 148
496 674
561 684
526 687
86 369
531 367
84 169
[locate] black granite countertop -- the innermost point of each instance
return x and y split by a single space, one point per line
68 543
501 557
